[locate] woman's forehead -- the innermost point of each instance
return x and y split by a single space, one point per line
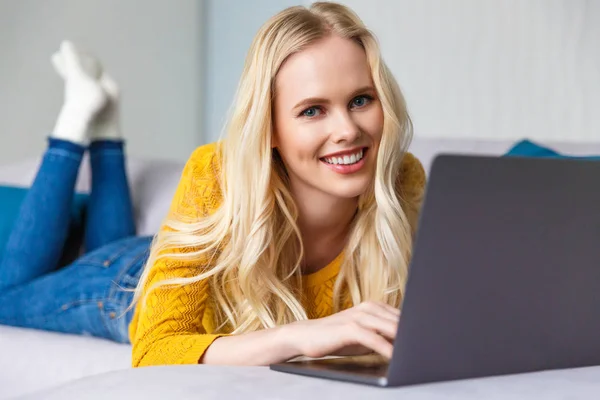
329 66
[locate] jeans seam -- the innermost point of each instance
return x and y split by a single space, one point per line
101 310
72 304
64 153
117 295
119 278
104 317
111 324
58 310
107 260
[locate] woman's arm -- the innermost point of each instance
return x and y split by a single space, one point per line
167 327
256 348
170 330
366 328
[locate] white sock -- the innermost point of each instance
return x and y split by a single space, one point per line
84 97
72 126
107 123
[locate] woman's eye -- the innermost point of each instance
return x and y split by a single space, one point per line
311 112
361 101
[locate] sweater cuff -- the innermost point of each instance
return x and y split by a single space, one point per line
202 343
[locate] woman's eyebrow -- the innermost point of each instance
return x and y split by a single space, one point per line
320 100
309 101
363 90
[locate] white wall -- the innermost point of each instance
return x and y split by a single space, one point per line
230 27
494 68
152 47
469 68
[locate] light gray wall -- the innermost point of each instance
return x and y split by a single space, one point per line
469 68
230 27
179 62
494 69
153 48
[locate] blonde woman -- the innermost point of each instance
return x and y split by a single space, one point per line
293 235
290 237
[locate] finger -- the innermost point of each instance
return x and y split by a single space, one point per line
379 325
58 64
373 341
382 310
387 307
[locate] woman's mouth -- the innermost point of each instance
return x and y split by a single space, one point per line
346 163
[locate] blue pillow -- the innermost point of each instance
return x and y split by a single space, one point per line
11 198
527 148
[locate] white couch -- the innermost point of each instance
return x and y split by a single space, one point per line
34 360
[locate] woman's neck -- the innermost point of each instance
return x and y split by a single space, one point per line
324 223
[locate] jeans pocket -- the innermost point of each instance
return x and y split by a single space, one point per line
118 309
82 318
131 272
116 316
115 253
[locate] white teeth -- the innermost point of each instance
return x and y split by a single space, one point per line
345 160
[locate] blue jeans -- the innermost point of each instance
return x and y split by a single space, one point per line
91 295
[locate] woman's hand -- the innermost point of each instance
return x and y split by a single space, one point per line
366 328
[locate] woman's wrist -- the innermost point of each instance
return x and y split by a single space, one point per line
262 347
287 341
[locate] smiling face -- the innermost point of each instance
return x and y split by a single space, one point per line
328 120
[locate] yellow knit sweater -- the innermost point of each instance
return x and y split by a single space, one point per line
177 325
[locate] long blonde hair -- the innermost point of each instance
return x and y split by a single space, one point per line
252 243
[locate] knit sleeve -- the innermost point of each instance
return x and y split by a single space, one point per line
411 188
169 329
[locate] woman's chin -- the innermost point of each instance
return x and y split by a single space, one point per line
348 190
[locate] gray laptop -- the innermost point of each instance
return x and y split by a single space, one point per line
505 276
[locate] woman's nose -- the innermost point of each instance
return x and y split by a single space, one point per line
345 129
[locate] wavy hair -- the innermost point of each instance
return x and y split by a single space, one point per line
251 245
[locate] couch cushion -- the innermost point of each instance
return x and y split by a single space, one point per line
213 382
426 148
152 182
527 148
32 360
